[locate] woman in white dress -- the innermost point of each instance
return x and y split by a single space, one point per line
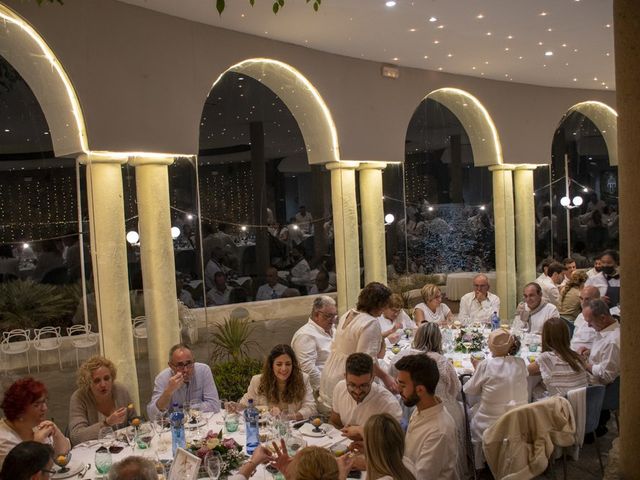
358 331
501 384
394 320
384 449
561 369
432 309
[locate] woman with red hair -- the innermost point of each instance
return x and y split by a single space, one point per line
24 406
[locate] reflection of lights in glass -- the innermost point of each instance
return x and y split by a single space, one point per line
585 189
133 237
175 232
565 201
189 217
577 200
389 218
482 207
243 228
295 227
25 246
430 209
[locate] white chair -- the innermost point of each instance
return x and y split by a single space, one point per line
47 339
81 337
15 342
139 331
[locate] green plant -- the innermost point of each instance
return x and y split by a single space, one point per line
26 304
231 339
232 378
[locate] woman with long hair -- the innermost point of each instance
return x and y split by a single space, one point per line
431 309
384 449
282 386
570 306
561 369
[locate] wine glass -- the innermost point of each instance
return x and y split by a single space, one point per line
161 425
106 436
294 442
130 434
467 346
103 461
212 463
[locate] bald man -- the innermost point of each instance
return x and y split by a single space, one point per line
583 334
479 305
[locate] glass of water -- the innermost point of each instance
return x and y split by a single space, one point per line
103 461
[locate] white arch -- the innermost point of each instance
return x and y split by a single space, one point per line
605 119
303 100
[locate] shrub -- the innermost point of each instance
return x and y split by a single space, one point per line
232 377
231 339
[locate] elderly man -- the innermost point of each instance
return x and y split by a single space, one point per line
604 357
133 468
358 397
550 283
608 279
312 342
219 294
583 334
534 311
183 381
272 289
479 305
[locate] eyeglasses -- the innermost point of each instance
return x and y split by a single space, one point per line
363 387
329 315
480 286
187 364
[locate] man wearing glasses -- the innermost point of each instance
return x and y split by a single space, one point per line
479 305
312 342
184 381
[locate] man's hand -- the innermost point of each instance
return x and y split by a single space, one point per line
391 384
353 432
345 464
175 382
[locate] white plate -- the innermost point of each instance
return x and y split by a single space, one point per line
73 471
200 423
308 430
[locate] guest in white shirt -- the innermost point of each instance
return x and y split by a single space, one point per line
561 369
604 357
214 265
583 334
394 320
384 447
272 289
543 268
312 342
322 284
608 280
300 274
597 267
432 309
550 283
479 305
358 397
501 384
219 294
534 311
430 442
304 219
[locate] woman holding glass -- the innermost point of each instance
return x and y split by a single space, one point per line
98 402
25 407
432 309
282 386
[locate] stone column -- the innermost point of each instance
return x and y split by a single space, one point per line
156 257
627 38
345 232
504 238
372 210
525 226
109 258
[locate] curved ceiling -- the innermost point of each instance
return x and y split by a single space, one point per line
559 43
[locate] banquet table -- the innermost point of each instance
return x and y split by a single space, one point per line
462 282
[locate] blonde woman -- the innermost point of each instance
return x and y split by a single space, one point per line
394 320
432 309
311 463
384 449
570 305
98 402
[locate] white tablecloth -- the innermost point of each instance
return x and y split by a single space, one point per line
460 283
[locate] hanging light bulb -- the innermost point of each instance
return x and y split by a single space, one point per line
133 237
565 201
389 218
175 232
577 200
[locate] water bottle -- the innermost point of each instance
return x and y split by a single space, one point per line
176 418
495 321
251 416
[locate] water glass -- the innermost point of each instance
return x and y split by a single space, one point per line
103 461
231 422
294 442
144 435
212 463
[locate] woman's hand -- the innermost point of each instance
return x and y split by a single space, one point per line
345 464
353 432
43 431
282 458
116 418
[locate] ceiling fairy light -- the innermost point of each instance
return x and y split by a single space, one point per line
548 54
390 3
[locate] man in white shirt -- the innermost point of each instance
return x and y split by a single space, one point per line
583 334
300 275
321 284
358 397
597 268
312 342
304 219
219 294
604 357
479 305
543 268
534 311
608 280
272 289
430 442
551 282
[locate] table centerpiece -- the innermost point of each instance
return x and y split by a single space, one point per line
230 451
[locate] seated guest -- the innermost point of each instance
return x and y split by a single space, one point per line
133 468
300 274
583 334
608 280
603 362
272 289
479 305
282 386
214 265
312 342
28 461
184 381
219 294
569 268
310 463
570 306
501 384
432 309
358 397
394 320
550 283
544 265
25 406
321 284
430 442
596 269
534 311
561 368
98 402
384 447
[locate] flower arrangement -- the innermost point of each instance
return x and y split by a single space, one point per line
469 340
230 451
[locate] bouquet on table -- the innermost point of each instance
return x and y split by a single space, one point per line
469 340
230 451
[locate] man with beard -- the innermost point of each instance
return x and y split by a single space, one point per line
608 279
358 397
431 436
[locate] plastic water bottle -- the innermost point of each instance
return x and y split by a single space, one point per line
176 418
495 321
251 416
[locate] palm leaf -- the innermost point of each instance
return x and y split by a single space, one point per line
231 339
